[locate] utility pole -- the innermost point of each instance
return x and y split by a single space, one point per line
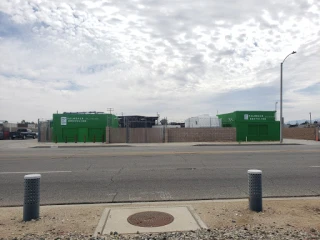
123 120
158 115
110 111
310 118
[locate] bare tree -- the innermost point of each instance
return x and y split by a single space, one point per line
164 121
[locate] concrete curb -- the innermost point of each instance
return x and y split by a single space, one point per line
197 217
102 222
193 145
247 144
81 146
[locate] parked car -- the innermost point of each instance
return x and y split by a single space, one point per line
1 135
23 134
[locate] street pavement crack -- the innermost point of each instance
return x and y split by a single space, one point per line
117 173
114 196
89 167
120 171
317 193
203 164
71 156
185 160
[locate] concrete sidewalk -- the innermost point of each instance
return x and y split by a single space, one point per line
176 144
31 143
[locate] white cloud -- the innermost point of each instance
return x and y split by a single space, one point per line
179 58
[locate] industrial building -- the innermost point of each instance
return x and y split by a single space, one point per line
253 125
137 121
202 121
82 126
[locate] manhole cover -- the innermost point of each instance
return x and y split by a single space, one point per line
150 219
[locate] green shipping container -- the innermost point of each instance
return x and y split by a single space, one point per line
253 125
73 127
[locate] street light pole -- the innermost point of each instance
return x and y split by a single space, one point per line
281 118
310 118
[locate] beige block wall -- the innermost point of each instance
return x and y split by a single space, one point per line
300 133
159 135
202 135
118 135
155 135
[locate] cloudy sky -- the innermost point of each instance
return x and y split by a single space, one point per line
179 58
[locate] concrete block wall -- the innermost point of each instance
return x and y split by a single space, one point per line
300 133
117 135
159 135
155 135
107 135
201 135
137 135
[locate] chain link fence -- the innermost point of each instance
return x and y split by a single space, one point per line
44 130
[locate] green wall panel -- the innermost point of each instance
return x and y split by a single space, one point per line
82 127
253 125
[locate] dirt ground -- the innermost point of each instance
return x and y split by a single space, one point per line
301 214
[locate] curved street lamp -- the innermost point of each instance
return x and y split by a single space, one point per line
281 118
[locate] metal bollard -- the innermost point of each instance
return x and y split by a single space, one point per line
255 190
31 205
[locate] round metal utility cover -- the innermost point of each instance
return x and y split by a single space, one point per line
150 219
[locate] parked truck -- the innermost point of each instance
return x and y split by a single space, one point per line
23 133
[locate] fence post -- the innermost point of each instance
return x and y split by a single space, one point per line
127 134
317 129
107 135
31 205
145 135
255 190
39 132
166 135
47 130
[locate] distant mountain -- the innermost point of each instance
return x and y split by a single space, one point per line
302 121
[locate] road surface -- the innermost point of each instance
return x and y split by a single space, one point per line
158 173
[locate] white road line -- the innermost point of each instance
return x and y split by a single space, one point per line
35 172
150 196
314 166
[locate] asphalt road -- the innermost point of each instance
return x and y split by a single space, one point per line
158 173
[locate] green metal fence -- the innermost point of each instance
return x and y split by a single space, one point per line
82 127
253 125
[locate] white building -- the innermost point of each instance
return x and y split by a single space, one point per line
202 121
166 126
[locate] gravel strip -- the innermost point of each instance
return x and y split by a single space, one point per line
221 233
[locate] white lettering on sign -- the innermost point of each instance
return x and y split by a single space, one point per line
63 121
255 117
77 120
81 119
